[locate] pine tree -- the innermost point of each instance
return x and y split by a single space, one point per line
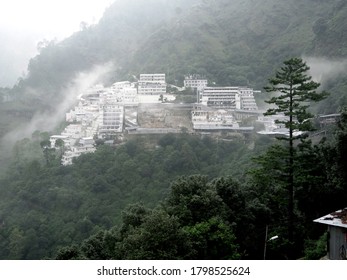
294 91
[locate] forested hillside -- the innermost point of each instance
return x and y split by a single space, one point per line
44 205
130 201
233 43
230 42
121 31
107 203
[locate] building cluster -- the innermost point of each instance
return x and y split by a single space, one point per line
195 81
98 114
105 113
152 84
221 108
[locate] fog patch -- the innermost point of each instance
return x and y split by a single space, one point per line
48 121
324 69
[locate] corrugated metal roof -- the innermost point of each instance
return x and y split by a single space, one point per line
338 219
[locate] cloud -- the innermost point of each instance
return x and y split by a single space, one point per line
24 23
48 121
324 69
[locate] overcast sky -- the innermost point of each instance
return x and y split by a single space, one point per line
52 17
23 23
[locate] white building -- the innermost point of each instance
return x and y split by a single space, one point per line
219 97
64 138
155 78
73 130
129 96
120 85
271 127
195 82
152 84
75 114
75 152
87 141
234 98
245 100
111 119
205 118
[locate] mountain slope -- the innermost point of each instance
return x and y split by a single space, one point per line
238 42
118 34
330 31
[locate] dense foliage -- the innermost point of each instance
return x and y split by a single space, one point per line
236 43
48 210
293 92
47 205
131 201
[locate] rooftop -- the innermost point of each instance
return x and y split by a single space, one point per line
338 219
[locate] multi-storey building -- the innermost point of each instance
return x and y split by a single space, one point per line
152 84
228 98
69 136
129 96
158 78
205 118
85 145
111 119
120 85
66 140
195 82
245 100
219 97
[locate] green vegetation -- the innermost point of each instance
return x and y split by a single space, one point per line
61 205
130 201
192 223
231 43
296 90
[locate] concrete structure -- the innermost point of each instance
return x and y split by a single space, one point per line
327 120
152 84
122 92
337 233
155 78
210 119
64 138
195 81
111 120
129 96
75 152
219 97
228 98
245 100
86 141
130 117
273 128
121 85
108 112
73 130
270 126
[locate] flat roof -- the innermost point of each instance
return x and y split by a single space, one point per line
59 136
337 219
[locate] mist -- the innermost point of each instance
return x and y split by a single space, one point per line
14 58
324 69
48 121
25 23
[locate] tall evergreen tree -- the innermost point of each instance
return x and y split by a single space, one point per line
294 90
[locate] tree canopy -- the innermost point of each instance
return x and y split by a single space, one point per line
294 92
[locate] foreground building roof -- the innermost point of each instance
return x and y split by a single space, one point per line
338 219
